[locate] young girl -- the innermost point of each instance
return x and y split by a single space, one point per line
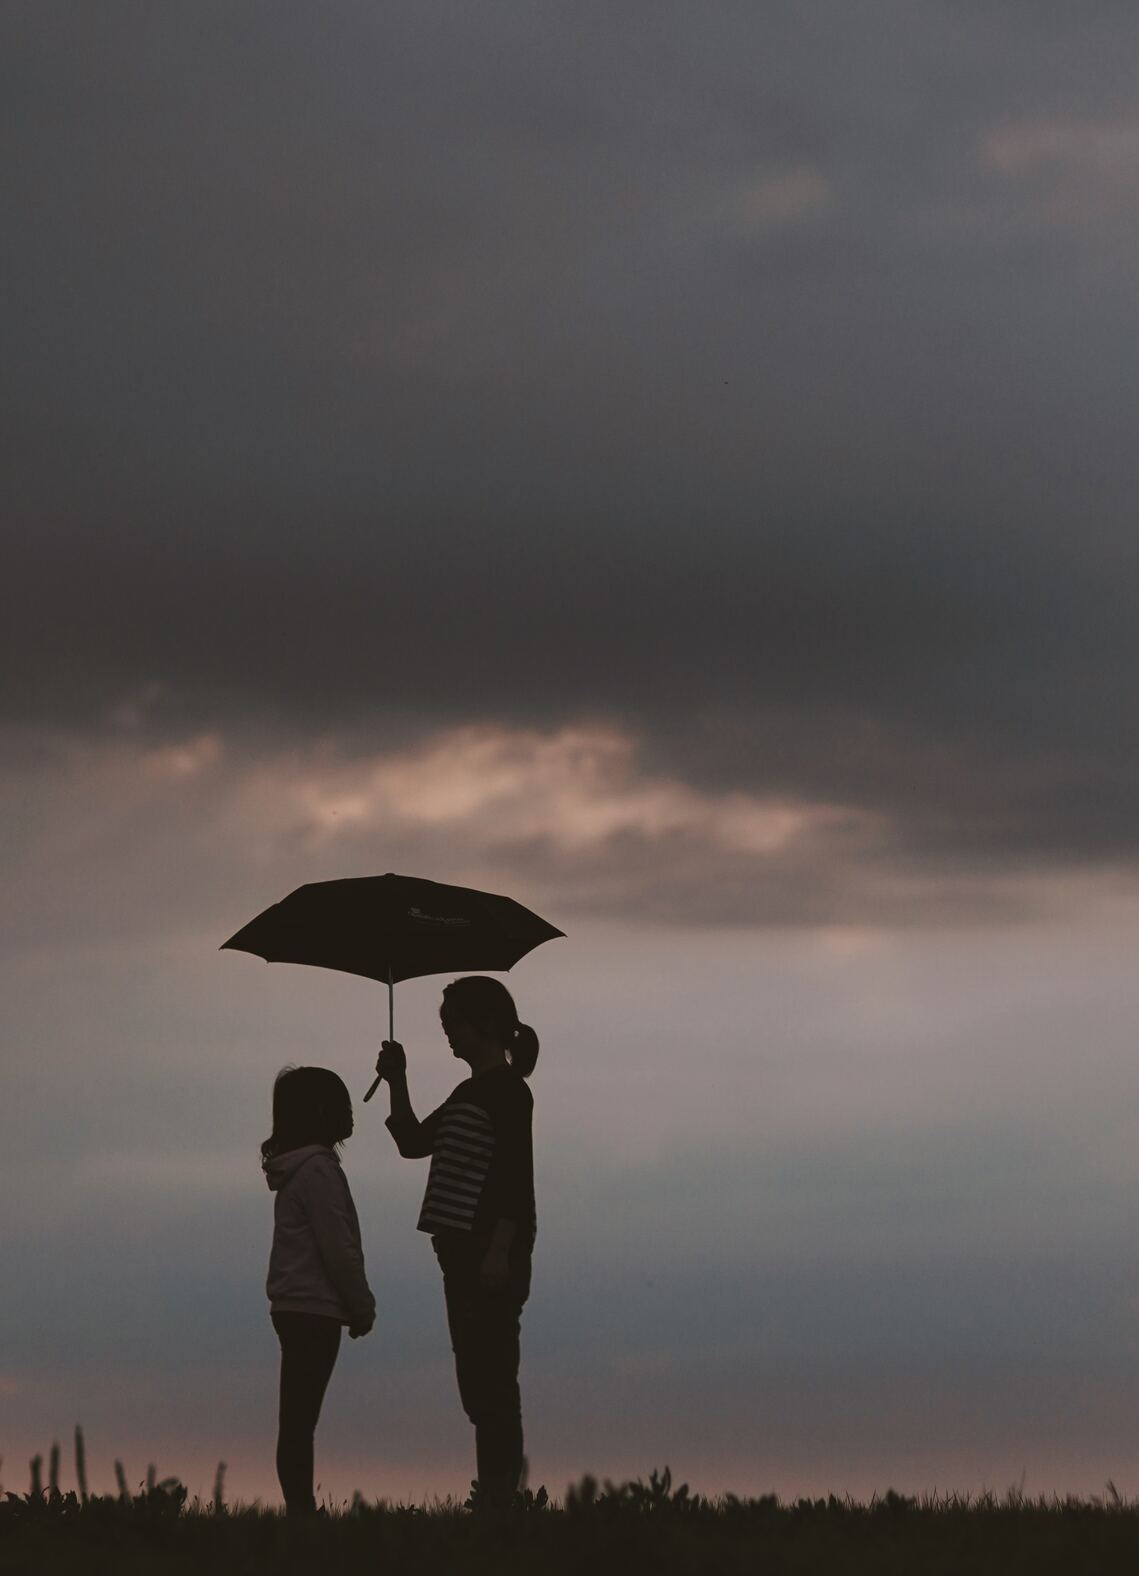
479 1209
316 1270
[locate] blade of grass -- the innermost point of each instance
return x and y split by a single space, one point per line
81 1463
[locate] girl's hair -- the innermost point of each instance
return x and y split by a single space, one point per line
310 1106
487 1005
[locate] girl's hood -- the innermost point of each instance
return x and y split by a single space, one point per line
279 1168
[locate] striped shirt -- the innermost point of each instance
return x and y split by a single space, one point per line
482 1157
460 1160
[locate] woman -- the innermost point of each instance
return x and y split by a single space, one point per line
479 1209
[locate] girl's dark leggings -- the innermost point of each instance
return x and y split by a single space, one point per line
484 1328
309 1344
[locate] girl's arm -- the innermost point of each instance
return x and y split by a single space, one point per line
332 1215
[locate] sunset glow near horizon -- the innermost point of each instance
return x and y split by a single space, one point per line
675 470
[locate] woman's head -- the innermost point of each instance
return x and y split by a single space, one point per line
478 1015
310 1106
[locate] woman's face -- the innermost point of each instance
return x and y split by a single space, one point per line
465 1040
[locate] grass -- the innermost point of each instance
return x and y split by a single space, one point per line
648 1526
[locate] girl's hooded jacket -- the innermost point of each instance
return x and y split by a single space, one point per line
317 1262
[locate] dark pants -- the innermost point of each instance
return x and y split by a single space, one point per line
309 1344
484 1330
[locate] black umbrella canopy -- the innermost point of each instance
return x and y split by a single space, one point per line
393 928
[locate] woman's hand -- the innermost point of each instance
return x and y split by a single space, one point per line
494 1271
362 1327
391 1063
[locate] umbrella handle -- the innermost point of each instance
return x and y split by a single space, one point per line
391 1033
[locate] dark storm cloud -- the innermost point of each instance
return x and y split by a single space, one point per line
747 375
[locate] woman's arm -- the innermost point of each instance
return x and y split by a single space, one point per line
511 1187
414 1138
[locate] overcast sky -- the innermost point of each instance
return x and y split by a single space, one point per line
674 464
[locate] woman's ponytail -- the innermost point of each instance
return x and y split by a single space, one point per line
523 1050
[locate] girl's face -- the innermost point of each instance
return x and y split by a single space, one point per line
341 1121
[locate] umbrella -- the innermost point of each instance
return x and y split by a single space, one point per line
393 928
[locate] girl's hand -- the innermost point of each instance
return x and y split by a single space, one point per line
494 1271
356 1330
391 1063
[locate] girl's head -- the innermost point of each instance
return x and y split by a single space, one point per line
310 1106
479 1017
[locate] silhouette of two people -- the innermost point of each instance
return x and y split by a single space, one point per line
478 1208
